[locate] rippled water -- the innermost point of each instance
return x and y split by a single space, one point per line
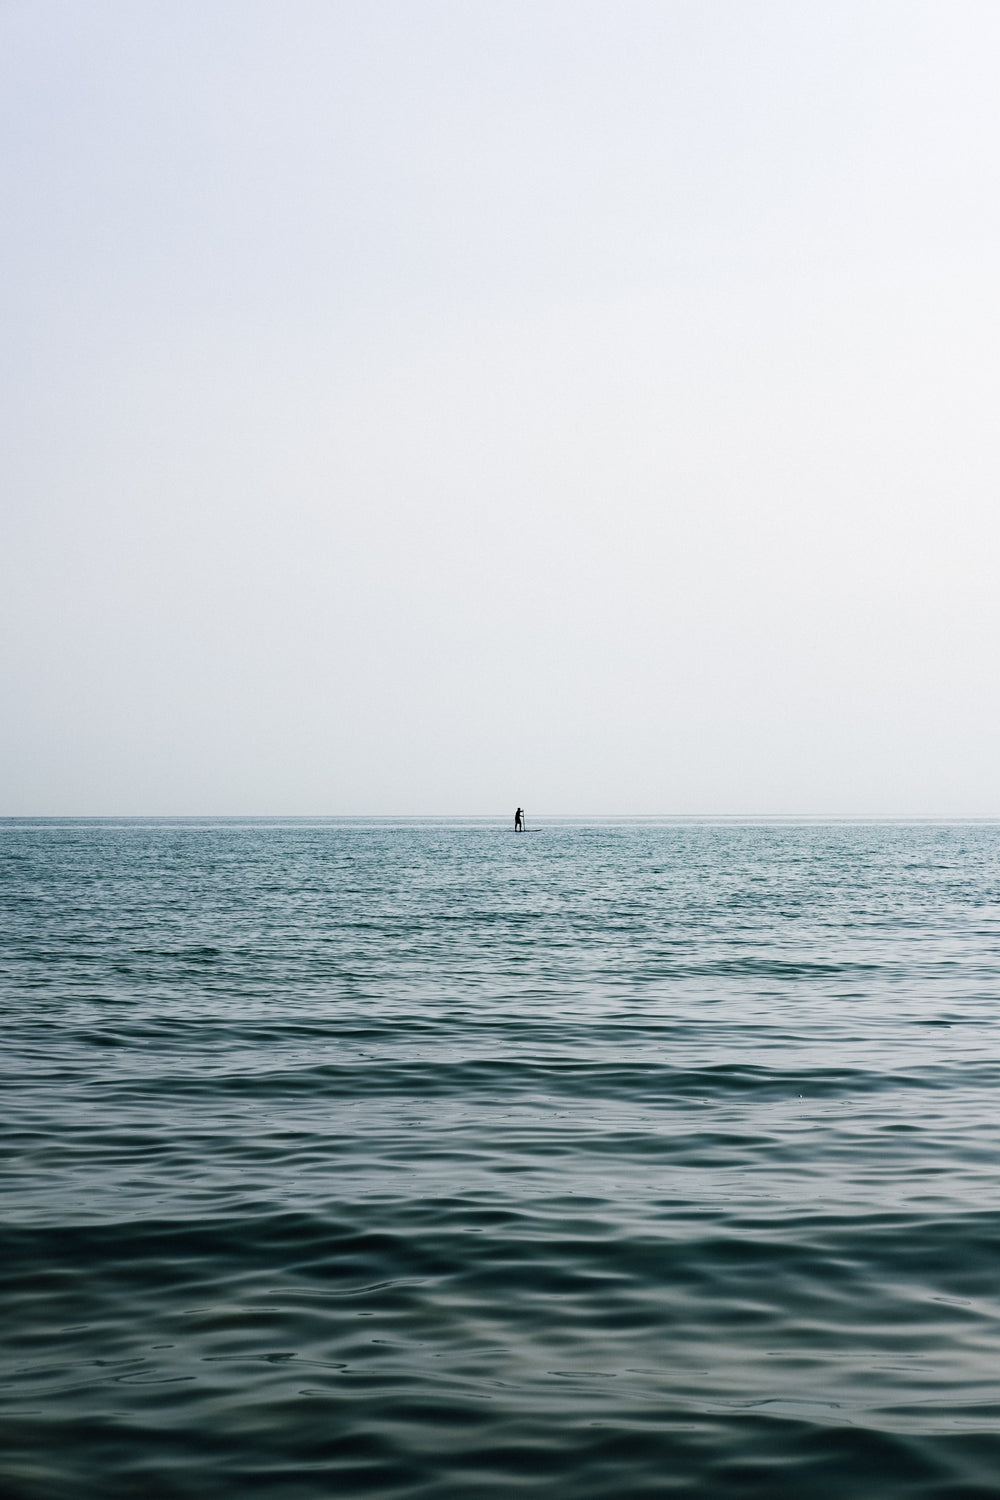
420 1159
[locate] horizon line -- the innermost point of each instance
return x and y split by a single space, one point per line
506 818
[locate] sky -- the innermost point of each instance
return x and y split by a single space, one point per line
438 407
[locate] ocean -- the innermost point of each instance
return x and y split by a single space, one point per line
414 1159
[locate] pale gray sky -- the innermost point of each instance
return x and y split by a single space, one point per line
434 406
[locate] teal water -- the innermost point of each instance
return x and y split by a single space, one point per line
420 1160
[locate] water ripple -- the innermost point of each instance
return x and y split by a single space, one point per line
412 1160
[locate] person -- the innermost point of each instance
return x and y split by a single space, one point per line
519 820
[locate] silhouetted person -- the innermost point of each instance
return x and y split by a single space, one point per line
519 820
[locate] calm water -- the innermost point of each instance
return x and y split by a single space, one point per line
424 1160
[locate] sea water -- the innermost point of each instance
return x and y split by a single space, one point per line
419 1159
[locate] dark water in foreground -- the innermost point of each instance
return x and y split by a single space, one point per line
422 1160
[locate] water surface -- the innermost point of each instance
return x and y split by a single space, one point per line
417 1160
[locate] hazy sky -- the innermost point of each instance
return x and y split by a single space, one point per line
438 405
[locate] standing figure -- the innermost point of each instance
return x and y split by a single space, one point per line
519 820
